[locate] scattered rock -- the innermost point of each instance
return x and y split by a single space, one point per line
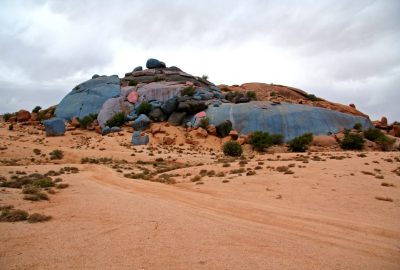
211 129
141 123
54 127
168 140
234 135
139 139
157 115
23 116
200 133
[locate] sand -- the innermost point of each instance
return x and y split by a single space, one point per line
323 216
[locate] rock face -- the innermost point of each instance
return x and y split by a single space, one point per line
54 127
88 97
290 120
138 139
154 63
23 116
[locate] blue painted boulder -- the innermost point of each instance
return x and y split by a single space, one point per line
54 127
141 123
88 97
154 63
138 68
290 120
138 139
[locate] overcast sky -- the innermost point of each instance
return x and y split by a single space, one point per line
344 51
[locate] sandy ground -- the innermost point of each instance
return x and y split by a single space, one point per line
323 216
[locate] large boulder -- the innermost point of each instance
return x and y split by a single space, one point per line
141 123
111 107
54 126
157 115
23 116
139 139
192 106
88 97
154 63
290 120
160 91
170 105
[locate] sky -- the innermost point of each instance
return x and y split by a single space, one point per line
343 51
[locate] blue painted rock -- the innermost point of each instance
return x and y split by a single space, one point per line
170 105
154 63
142 122
88 97
138 139
290 120
54 127
138 68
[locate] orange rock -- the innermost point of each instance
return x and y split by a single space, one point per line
34 117
396 130
212 130
168 140
23 116
199 133
75 122
384 121
233 134
324 140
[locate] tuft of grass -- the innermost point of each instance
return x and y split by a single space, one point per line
386 199
118 119
188 91
36 217
13 215
385 184
56 154
62 185
195 178
232 148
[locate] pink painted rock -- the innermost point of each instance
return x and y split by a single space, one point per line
201 114
23 116
133 97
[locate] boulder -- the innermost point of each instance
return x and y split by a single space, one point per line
192 106
138 68
290 120
199 133
139 139
95 76
88 97
212 130
324 140
176 118
141 123
243 139
170 105
157 115
160 91
23 116
396 130
34 117
234 135
384 121
133 97
54 126
154 63
111 107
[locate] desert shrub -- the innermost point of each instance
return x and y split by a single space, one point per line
372 134
13 215
352 141
43 183
204 77
36 217
300 143
36 109
251 95
277 139
312 97
188 91
273 94
358 126
62 186
204 122
224 128
144 108
87 120
11 127
385 143
232 148
30 190
117 120
37 151
56 154
132 83
40 196
260 140
7 116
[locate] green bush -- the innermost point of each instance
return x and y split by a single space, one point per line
117 120
385 143
372 134
232 148
277 139
260 140
312 97
301 143
251 95
132 83
87 120
36 109
11 127
56 154
204 122
144 108
36 217
352 141
358 126
188 91
224 128
7 116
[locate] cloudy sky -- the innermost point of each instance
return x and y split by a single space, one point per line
344 51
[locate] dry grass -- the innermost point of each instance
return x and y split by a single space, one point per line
386 199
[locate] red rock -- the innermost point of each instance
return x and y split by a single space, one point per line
396 130
352 105
384 121
34 117
23 116
234 134
98 129
168 140
75 122
199 133
212 130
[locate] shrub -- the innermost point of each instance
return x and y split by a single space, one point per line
224 128
132 83
204 122
273 94
36 109
36 217
251 95
372 134
56 154
144 108
117 120
204 77
87 120
43 183
260 140
358 126
232 148
301 143
312 97
7 116
352 141
13 215
188 91
385 143
277 139
11 127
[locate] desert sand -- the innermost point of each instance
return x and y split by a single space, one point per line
324 215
